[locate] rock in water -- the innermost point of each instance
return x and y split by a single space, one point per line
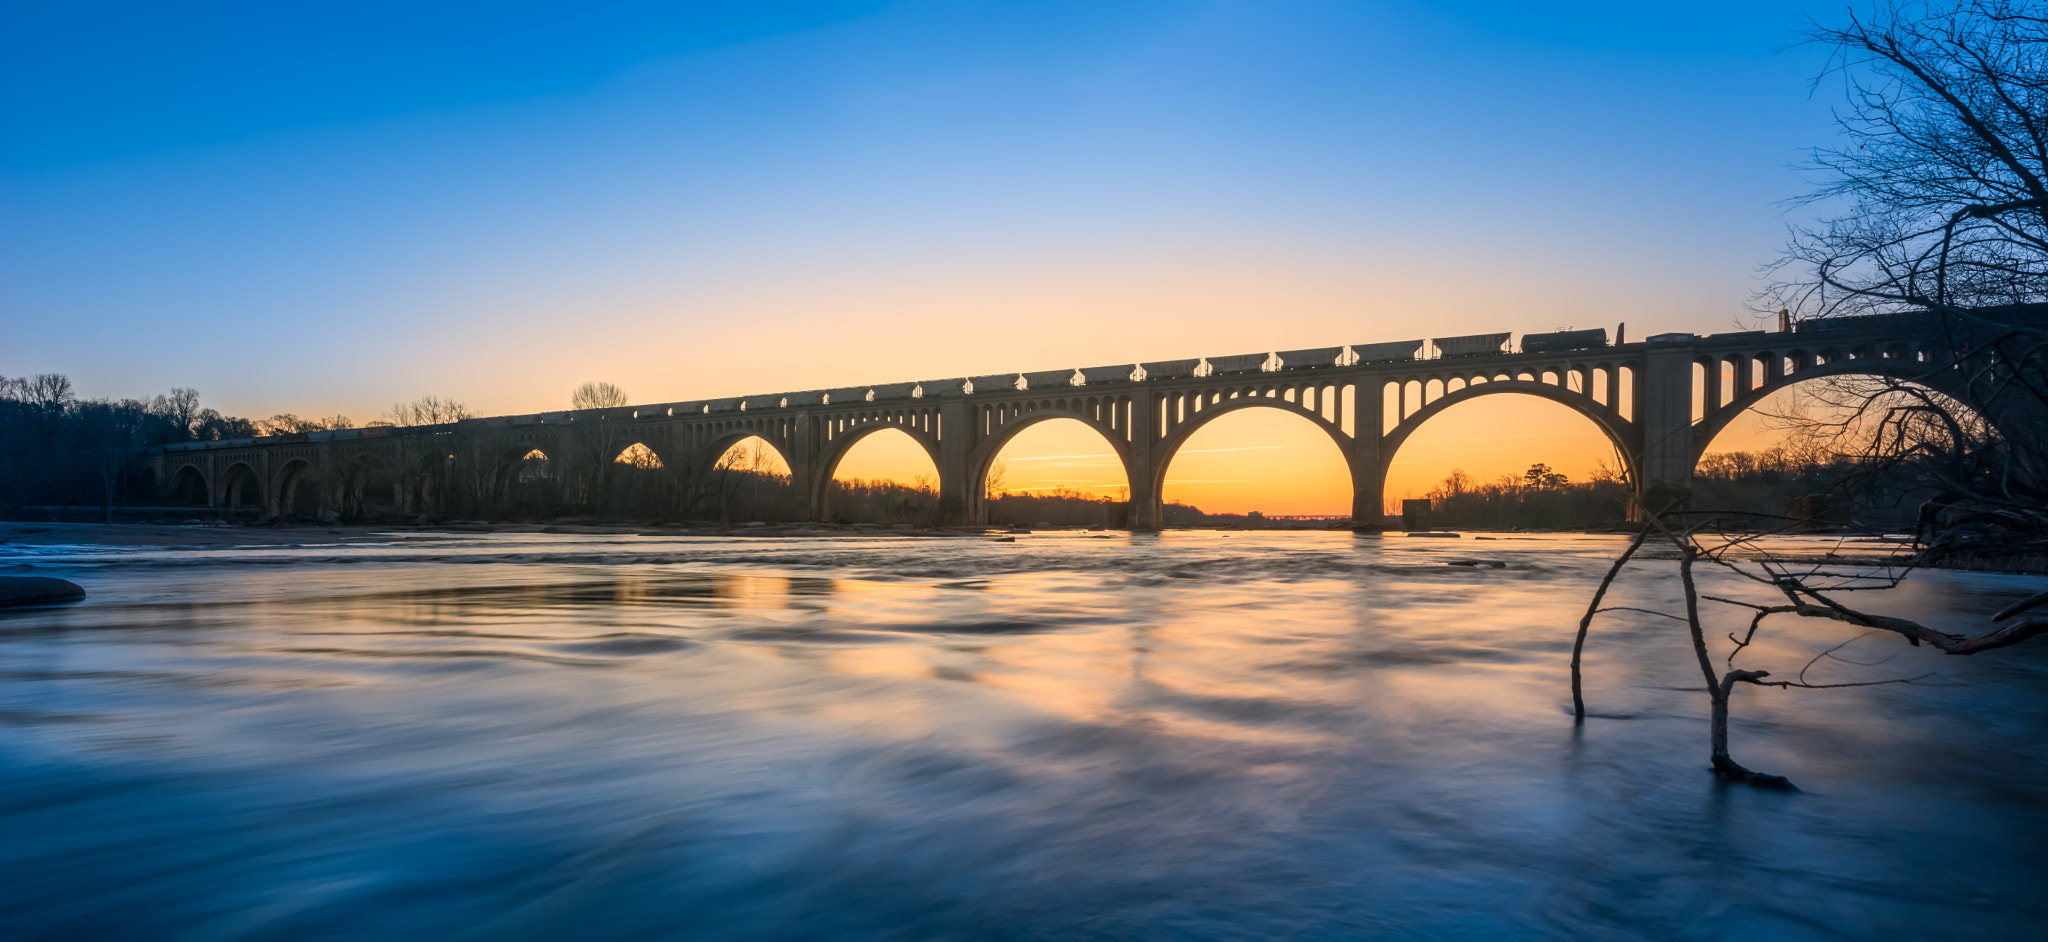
36 590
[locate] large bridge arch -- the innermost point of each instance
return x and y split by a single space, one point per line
983 456
1620 432
1940 379
1217 403
842 441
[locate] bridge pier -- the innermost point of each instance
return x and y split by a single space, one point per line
1147 512
1368 457
958 505
1664 416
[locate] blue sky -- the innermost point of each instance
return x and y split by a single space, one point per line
307 209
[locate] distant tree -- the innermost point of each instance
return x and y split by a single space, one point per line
428 410
179 410
285 423
597 395
1541 477
49 392
997 473
598 444
212 426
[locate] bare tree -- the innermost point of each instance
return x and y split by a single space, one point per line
181 410
428 410
1943 173
50 392
1944 166
599 442
597 395
1943 180
1809 588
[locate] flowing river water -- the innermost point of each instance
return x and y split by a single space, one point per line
1193 735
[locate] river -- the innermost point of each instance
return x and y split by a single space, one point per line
1194 735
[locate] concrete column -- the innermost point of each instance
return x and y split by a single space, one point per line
1368 458
266 491
1148 511
803 470
1664 411
958 505
327 485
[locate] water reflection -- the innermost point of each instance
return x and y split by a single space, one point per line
1299 735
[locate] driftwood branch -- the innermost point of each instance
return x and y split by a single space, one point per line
1918 633
1586 623
2020 606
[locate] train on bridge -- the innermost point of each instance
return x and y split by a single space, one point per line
1660 401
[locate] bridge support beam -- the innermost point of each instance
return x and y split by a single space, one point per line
958 505
803 469
1664 413
1147 511
1368 458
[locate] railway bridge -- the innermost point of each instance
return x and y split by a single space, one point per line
1660 401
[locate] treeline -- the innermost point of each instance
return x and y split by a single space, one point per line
60 450
1539 499
1789 486
56 448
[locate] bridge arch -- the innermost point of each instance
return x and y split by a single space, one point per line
1212 404
981 460
828 502
1005 429
843 439
1905 367
715 447
289 489
1620 432
354 477
240 486
188 485
640 455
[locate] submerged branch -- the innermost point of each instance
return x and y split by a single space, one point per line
1586 623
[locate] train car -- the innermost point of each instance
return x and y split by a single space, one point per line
1563 340
1048 379
994 382
1241 363
1472 345
1170 369
1108 374
1309 359
1386 352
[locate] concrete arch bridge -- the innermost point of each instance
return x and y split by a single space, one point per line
1660 401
